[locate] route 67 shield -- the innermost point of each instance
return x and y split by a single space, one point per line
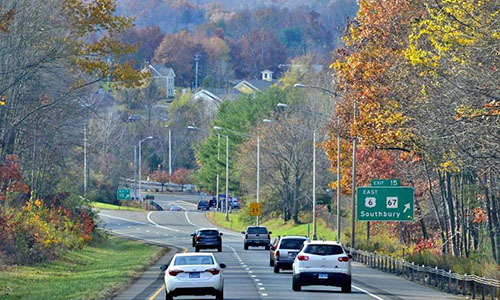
370 202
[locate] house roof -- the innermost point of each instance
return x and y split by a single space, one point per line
163 70
207 94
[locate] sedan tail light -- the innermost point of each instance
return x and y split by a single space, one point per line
303 258
344 258
277 254
175 272
214 271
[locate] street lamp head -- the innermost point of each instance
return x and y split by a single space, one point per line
190 127
267 121
299 85
149 138
217 128
282 105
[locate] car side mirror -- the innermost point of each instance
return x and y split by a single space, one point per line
164 267
350 256
222 266
242 232
192 234
270 232
221 234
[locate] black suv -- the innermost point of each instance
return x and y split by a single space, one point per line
207 238
203 205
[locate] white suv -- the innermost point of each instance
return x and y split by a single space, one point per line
322 263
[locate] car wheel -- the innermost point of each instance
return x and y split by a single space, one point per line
346 288
271 262
196 249
219 249
219 295
245 247
267 247
276 269
296 287
169 297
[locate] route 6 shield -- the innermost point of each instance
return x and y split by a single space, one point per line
370 202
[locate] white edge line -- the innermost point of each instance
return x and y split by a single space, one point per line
366 292
189 221
158 225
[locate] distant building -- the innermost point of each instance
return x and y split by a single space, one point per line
252 86
167 76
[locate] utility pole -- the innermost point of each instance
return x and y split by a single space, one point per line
197 59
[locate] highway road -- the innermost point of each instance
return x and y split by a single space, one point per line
248 275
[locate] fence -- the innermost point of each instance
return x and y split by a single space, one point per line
449 282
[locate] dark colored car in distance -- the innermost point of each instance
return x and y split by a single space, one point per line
207 238
203 205
257 236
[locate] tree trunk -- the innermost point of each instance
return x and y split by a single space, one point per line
434 204
490 219
451 208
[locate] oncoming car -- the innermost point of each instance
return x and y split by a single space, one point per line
322 263
194 274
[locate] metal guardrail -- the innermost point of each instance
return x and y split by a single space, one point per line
446 281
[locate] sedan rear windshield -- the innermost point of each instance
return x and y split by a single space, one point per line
193 260
208 232
257 230
324 249
294 244
202 203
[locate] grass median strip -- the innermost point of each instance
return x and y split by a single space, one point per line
113 207
95 272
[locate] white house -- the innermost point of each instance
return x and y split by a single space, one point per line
166 74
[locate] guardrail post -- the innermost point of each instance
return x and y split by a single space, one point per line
493 292
449 282
442 280
473 289
464 287
456 285
436 278
483 292
412 264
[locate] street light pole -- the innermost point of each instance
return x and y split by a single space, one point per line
84 162
258 174
135 172
338 182
227 178
217 186
314 185
169 155
353 192
140 162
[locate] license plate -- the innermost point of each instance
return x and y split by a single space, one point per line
323 276
194 275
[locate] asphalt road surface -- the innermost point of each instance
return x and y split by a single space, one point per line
248 275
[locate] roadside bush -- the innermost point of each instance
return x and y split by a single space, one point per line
37 232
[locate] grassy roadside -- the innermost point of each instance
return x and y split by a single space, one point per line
97 271
238 222
113 207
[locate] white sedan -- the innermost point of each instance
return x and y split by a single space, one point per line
194 274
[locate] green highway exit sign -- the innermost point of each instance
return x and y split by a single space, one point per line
381 203
386 182
123 194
